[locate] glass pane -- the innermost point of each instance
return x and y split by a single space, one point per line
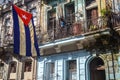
28 66
50 71
7 22
13 67
72 70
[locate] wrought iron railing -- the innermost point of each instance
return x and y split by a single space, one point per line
77 28
115 19
82 27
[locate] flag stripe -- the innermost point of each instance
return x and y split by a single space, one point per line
33 50
16 33
22 38
28 41
35 40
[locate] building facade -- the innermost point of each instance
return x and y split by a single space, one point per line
72 33
15 67
75 40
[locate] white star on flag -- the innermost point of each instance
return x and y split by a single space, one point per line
24 17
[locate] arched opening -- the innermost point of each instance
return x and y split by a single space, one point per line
97 69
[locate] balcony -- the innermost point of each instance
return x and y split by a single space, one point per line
80 28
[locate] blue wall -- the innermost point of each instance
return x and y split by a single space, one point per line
60 64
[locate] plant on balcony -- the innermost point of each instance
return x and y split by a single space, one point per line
105 12
104 17
93 27
106 42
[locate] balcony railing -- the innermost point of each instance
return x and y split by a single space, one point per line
77 28
81 27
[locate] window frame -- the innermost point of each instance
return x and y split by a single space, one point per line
28 66
1 70
68 70
13 67
50 70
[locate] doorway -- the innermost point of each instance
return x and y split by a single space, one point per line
97 69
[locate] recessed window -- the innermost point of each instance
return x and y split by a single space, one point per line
28 66
7 25
51 27
92 18
50 71
1 70
7 22
71 70
52 19
13 67
69 12
88 2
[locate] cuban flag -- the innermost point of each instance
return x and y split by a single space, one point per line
25 40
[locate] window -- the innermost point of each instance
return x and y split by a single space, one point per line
92 13
52 19
69 13
88 2
8 28
71 70
92 16
13 67
8 31
7 22
28 66
1 70
51 23
50 71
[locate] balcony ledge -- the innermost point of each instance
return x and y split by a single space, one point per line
70 44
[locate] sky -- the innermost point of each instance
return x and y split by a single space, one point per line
1 1
5 1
